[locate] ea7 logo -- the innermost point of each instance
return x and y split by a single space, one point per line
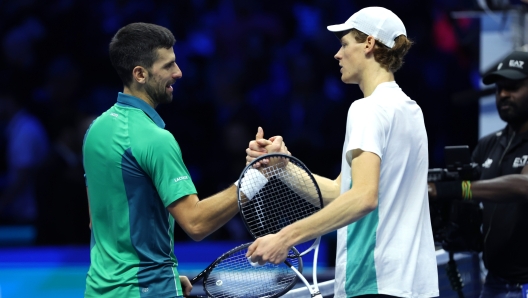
516 63
520 161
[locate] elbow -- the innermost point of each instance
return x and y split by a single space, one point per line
370 207
197 232
371 203
197 238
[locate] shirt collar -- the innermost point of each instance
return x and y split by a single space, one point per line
132 101
385 85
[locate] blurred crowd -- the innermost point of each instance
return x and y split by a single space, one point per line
245 63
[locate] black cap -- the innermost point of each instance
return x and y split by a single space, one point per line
513 67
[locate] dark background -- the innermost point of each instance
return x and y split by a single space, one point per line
245 63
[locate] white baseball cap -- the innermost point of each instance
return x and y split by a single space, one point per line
379 22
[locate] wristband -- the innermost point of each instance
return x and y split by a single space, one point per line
467 195
252 183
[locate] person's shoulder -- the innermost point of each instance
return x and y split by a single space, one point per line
375 102
363 106
154 136
494 136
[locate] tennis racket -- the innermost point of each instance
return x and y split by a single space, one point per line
277 194
233 275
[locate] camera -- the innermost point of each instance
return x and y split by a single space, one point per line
456 223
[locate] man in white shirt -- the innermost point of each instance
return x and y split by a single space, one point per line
379 201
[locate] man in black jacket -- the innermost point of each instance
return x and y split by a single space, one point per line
503 184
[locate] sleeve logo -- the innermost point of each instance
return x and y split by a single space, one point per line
487 163
180 179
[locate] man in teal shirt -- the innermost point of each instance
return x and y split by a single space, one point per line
136 180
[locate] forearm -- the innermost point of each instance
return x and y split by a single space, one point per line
330 189
505 189
211 213
344 210
304 184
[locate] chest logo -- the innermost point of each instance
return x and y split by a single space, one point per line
180 178
520 161
487 163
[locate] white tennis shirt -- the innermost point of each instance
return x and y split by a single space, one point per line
391 250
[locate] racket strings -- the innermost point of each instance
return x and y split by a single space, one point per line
289 195
296 179
234 276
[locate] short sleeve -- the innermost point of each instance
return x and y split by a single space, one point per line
368 126
164 164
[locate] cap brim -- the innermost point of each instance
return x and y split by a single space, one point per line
510 74
338 28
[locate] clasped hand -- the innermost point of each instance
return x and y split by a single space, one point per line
261 146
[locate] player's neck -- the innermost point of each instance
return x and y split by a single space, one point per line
140 94
519 128
372 78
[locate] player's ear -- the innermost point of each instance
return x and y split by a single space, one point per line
139 74
369 44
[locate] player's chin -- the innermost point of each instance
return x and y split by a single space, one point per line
348 80
168 98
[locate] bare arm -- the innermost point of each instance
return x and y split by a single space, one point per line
330 189
186 285
345 209
199 218
504 189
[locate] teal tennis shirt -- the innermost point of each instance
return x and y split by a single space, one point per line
134 170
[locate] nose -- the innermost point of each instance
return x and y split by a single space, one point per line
337 56
178 73
502 92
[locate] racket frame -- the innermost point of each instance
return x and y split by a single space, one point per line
298 163
314 291
207 271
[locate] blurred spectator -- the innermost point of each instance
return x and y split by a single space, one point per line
57 101
27 147
63 203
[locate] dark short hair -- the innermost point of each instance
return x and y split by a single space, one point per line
136 44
